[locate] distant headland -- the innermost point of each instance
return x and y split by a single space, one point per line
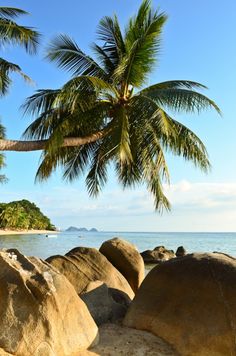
83 229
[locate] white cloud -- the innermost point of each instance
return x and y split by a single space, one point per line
203 195
195 207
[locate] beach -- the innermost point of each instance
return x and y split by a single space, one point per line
26 232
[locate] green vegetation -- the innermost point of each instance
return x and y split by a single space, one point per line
23 214
12 33
105 116
123 123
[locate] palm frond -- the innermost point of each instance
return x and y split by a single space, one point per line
2 131
142 42
110 34
11 12
40 102
119 136
87 83
181 141
104 59
59 122
12 33
67 55
5 69
77 161
5 82
3 179
78 124
125 154
155 187
178 84
179 99
49 162
97 175
143 110
40 128
73 159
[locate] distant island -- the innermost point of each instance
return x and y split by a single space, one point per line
23 215
83 229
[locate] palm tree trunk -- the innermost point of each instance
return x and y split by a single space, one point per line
26 146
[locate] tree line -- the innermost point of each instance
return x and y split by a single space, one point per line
23 215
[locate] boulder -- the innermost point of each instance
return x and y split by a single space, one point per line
4 353
157 255
40 312
105 304
168 254
83 265
191 303
180 252
126 258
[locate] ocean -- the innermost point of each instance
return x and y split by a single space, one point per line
44 246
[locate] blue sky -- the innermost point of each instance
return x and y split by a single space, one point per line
198 44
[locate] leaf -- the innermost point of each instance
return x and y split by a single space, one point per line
179 99
97 175
11 12
12 33
5 69
142 43
67 55
42 101
110 34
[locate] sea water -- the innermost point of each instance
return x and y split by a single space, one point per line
43 245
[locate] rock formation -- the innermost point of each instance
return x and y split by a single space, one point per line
126 258
190 302
105 304
83 265
157 255
40 312
180 252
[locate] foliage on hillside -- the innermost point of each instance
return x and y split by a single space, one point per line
23 214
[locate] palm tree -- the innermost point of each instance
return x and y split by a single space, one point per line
13 33
3 178
104 116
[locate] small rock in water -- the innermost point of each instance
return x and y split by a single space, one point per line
180 252
158 255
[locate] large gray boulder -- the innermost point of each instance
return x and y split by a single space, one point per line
40 312
191 303
105 304
126 258
83 265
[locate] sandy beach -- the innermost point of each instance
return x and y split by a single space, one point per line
23 232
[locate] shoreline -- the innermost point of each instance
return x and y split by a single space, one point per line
26 232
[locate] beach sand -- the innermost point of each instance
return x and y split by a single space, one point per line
117 340
23 232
